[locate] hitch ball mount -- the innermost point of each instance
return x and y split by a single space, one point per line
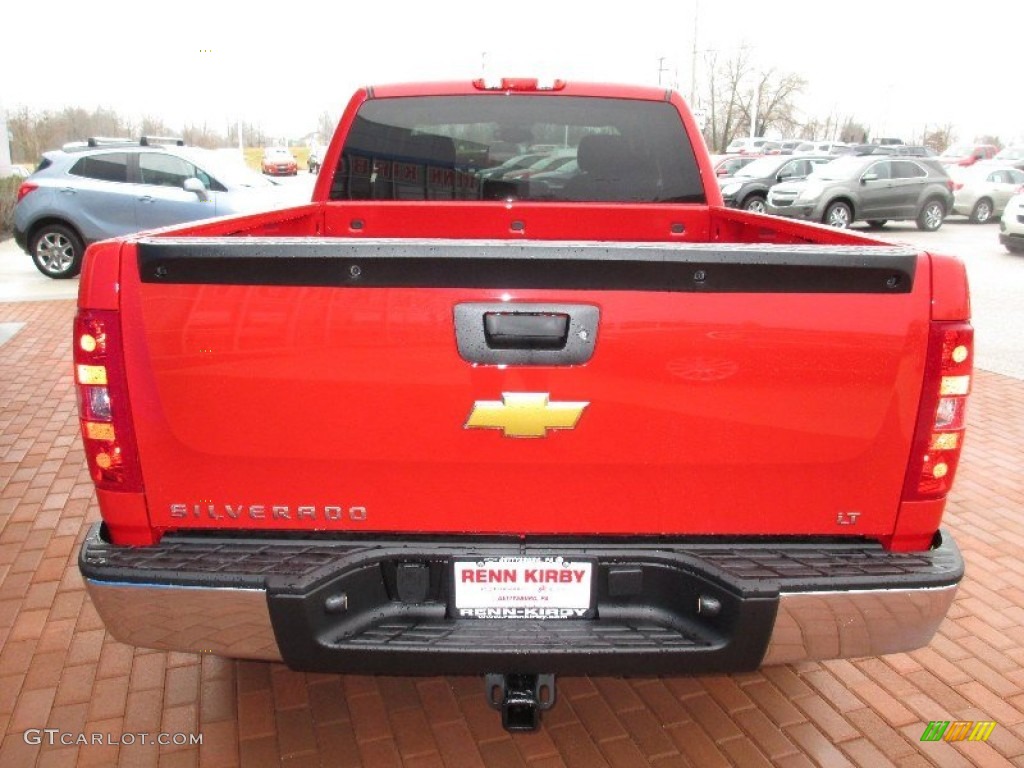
520 698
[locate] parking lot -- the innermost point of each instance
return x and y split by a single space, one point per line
60 670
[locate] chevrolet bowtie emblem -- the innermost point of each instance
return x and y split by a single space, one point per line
524 414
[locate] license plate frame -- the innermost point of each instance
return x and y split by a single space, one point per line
523 587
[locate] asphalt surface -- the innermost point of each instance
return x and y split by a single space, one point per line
997 286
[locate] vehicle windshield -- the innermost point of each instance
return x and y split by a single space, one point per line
1010 153
450 147
958 150
228 168
840 169
764 166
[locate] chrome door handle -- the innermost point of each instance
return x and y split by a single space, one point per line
147 199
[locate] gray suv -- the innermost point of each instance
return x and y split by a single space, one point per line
93 190
748 187
873 189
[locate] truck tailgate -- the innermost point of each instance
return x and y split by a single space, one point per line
317 384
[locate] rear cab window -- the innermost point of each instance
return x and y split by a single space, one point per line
462 148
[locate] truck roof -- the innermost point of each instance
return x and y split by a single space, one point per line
562 88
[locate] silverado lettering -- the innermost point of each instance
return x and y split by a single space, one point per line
745 428
259 512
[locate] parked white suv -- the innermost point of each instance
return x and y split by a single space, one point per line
1011 226
758 146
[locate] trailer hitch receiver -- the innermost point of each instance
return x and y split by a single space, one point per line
520 698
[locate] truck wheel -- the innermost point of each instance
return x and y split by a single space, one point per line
982 211
931 216
877 223
754 204
57 251
838 215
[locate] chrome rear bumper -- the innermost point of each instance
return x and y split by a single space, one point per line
222 621
840 625
236 622
243 611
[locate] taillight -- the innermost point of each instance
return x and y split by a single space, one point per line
25 188
103 409
954 185
942 417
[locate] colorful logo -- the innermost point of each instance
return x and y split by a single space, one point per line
958 730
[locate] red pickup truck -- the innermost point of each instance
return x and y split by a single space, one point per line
586 422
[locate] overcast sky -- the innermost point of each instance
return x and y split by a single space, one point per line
896 67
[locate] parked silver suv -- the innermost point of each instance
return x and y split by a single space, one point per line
872 188
102 188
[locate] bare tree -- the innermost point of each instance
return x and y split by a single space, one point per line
940 138
853 132
723 97
152 126
989 139
34 133
812 129
202 136
773 93
734 87
326 124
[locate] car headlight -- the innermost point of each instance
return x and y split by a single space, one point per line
731 189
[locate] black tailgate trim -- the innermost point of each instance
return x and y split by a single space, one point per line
498 264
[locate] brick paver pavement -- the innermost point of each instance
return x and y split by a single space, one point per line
59 669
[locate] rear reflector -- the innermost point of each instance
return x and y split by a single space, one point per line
92 374
99 431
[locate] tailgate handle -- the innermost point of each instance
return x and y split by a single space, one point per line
526 330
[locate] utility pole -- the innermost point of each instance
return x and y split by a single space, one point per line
661 68
693 59
5 145
753 118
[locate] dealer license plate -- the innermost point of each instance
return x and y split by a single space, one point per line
523 588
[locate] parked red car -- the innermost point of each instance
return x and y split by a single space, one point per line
968 154
278 161
726 165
